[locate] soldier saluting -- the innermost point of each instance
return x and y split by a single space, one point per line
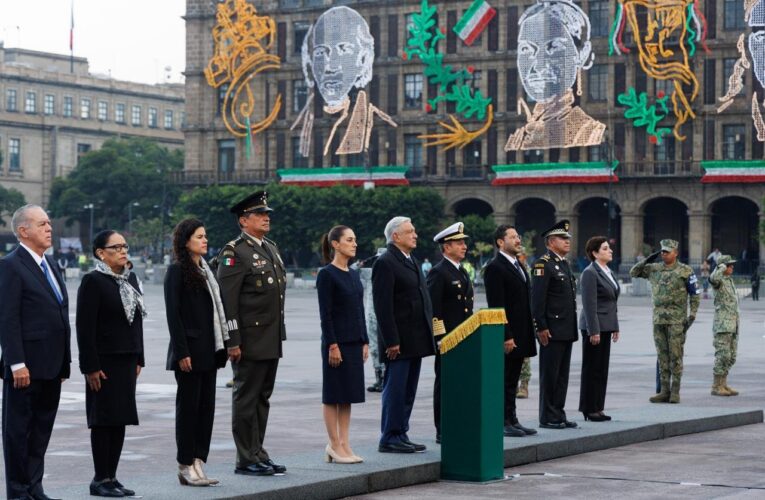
553 299
252 283
673 286
725 327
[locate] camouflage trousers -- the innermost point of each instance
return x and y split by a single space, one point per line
726 348
670 344
526 370
372 334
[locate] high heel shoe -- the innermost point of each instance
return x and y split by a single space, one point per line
188 476
332 456
605 417
595 417
198 463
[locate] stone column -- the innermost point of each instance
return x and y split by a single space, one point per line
761 256
699 236
632 238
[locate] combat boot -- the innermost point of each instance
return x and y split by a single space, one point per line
718 389
377 386
523 390
674 394
732 391
663 395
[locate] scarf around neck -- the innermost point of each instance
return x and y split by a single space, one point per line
219 314
131 298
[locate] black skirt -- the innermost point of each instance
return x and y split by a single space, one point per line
115 403
345 383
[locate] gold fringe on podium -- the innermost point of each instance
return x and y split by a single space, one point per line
470 325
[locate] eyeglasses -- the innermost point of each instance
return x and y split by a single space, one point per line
118 248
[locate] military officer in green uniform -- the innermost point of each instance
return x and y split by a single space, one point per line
673 286
725 327
553 306
252 282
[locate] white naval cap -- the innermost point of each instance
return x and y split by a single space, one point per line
453 232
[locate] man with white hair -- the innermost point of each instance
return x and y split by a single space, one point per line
404 313
35 340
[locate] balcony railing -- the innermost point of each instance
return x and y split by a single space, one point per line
210 177
661 168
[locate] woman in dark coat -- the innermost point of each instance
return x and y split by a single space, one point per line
110 313
344 342
599 324
196 321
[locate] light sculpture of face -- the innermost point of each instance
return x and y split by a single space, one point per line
342 53
548 56
757 50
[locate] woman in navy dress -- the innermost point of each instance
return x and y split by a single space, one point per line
344 341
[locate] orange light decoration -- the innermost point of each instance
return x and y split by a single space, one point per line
242 41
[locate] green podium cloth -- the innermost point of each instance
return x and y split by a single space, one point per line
472 398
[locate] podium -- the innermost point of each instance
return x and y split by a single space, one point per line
472 398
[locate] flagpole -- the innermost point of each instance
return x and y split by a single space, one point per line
71 39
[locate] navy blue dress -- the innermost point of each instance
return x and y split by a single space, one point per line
341 308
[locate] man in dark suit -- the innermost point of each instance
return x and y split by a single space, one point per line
451 294
508 286
553 300
404 315
252 284
35 339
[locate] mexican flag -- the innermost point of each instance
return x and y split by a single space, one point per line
352 176
474 21
733 171
554 173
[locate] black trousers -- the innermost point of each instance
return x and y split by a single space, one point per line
28 416
756 293
513 367
194 414
106 443
437 394
554 365
595 358
253 385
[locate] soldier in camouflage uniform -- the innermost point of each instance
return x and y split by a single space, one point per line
725 326
523 386
371 320
673 285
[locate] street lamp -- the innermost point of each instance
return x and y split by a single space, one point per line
130 216
90 207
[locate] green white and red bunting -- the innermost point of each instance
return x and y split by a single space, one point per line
352 176
554 173
733 171
474 21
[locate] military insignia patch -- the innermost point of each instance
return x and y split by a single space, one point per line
539 271
228 261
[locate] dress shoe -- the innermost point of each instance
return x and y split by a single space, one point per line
399 447
256 469
198 467
104 488
569 424
552 425
419 448
333 456
125 491
278 469
512 431
594 417
526 430
187 476
438 438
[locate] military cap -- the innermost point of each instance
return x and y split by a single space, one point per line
668 245
726 259
559 229
451 233
254 203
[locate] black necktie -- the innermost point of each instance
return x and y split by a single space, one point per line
518 267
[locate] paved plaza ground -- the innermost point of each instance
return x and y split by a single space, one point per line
729 457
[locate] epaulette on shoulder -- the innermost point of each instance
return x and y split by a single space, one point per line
270 241
545 257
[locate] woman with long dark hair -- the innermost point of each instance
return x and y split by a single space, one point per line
110 312
344 341
197 324
599 325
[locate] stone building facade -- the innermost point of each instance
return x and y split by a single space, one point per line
659 193
53 110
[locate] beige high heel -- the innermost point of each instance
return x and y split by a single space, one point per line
201 472
332 456
188 476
